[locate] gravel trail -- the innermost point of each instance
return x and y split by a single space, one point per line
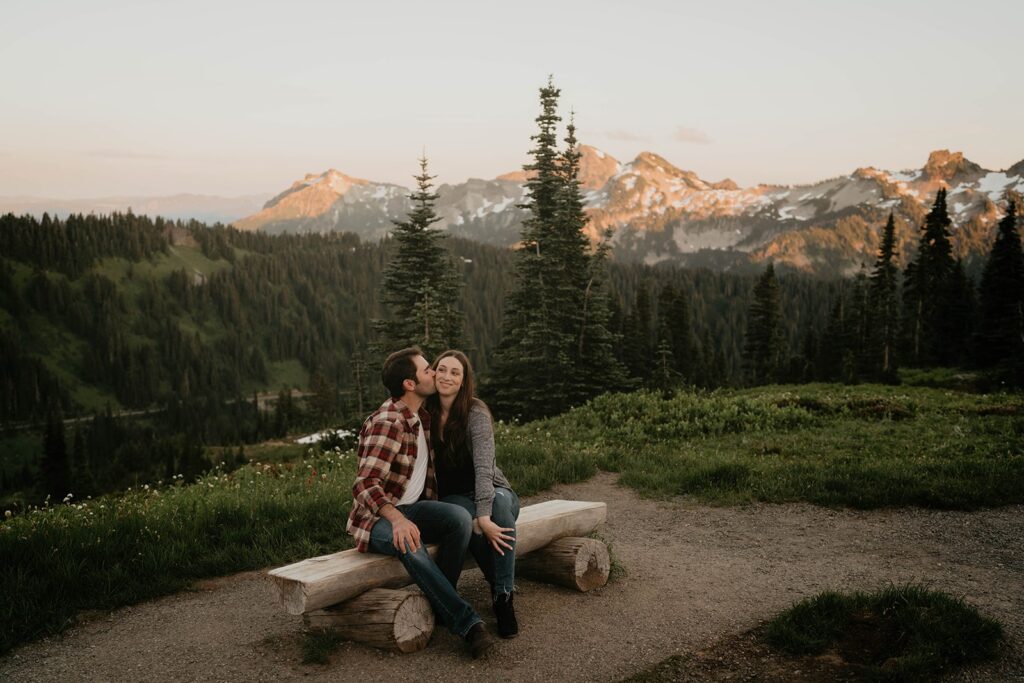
694 574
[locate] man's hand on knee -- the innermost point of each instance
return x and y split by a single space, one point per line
405 535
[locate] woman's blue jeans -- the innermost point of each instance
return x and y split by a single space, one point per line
451 527
499 570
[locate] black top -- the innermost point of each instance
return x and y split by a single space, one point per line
455 472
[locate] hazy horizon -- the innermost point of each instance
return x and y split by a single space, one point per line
148 99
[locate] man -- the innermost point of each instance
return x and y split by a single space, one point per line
396 511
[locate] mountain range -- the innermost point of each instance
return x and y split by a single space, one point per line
656 212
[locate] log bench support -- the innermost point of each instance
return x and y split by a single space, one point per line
350 592
390 619
578 563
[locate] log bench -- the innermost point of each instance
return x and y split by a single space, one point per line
353 593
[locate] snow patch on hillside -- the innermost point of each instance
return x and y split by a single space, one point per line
994 184
691 241
907 176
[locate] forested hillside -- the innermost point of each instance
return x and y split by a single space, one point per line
132 313
125 313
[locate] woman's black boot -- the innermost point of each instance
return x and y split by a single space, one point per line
508 627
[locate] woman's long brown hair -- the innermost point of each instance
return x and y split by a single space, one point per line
448 442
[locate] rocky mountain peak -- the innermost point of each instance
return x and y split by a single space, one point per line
596 167
945 165
652 165
655 162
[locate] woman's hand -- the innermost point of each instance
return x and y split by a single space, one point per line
497 536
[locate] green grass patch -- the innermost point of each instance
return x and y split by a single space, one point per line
900 633
117 550
864 447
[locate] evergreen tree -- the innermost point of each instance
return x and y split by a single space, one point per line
674 313
324 401
836 343
955 326
1001 335
533 358
421 288
925 281
596 368
763 346
858 359
711 366
665 378
884 308
556 348
638 349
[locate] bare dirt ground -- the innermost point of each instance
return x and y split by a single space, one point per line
697 579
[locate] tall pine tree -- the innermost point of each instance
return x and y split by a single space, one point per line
596 368
955 325
925 282
763 347
556 349
884 307
1001 334
421 286
674 314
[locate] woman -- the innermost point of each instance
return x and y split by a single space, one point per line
463 440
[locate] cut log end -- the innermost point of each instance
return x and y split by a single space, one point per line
579 563
381 617
414 623
593 565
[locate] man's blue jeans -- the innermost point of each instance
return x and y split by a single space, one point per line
499 570
450 527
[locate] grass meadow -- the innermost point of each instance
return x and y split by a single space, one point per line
862 446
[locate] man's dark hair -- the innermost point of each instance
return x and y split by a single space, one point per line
399 367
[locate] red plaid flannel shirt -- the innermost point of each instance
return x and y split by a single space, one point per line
387 451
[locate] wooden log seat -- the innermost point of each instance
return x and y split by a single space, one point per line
320 582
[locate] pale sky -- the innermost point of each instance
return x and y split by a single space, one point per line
137 97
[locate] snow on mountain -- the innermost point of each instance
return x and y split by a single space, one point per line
657 211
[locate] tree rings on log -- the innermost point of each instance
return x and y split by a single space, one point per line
579 563
396 620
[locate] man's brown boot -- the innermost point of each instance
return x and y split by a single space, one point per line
478 640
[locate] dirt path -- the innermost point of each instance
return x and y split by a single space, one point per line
694 575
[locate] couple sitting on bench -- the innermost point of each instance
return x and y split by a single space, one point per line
426 474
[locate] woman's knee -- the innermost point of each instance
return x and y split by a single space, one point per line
505 508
